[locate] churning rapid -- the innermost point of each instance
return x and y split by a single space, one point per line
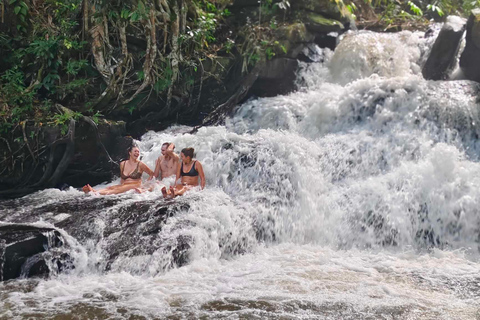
356 197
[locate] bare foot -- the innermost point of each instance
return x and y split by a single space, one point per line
164 192
139 190
87 188
172 191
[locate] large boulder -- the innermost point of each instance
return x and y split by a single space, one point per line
276 77
132 232
445 49
318 23
94 147
327 8
470 59
23 251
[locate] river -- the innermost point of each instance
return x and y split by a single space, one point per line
355 197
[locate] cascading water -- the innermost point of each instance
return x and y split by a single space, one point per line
355 197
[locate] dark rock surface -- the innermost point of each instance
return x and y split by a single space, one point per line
329 9
470 59
442 58
318 23
278 77
96 153
129 230
22 249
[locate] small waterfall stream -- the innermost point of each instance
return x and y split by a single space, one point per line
355 197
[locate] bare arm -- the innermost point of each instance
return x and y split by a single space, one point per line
122 165
199 168
169 150
156 173
179 167
146 169
176 157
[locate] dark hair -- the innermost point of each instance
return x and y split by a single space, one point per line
167 144
188 152
131 148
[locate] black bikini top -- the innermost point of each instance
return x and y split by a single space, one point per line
192 173
134 175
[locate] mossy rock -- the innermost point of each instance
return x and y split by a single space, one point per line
325 7
218 66
320 24
294 33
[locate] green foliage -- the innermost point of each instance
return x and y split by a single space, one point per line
415 9
352 8
44 61
62 120
226 13
469 5
19 101
73 67
393 11
228 45
21 11
96 117
437 9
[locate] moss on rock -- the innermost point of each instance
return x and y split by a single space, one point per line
294 33
332 9
318 23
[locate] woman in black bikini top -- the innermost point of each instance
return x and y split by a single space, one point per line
194 167
189 178
192 173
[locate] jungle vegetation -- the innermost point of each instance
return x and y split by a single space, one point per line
107 57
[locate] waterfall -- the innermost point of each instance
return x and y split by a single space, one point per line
366 169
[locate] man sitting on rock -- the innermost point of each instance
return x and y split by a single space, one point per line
166 164
165 167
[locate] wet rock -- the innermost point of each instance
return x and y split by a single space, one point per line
318 23
470 59
22 248
277 77
294 33
443 55
245 3
329 9
125 231
291 40
89 162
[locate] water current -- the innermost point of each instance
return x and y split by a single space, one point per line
355 197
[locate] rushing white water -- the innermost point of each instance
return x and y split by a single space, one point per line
355 197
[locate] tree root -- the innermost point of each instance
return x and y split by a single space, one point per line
67 156
97 135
